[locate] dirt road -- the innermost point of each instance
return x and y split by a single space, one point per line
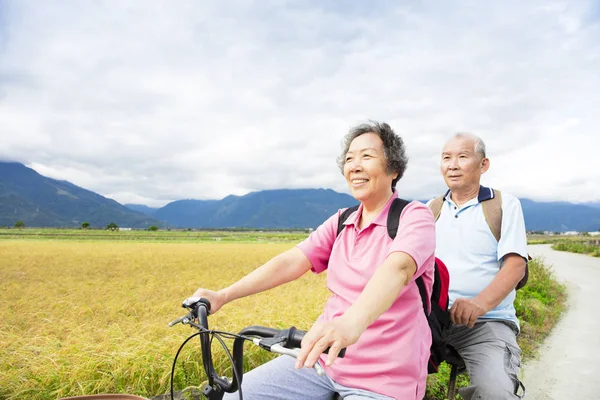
569 362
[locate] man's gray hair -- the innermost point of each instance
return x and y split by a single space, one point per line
479 145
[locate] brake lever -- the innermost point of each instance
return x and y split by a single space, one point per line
179 320
192 304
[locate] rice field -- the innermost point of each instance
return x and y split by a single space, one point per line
91 317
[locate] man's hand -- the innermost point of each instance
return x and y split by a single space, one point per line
466 311
337 334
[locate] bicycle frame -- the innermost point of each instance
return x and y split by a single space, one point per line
287 342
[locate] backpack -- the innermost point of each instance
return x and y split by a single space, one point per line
492 211
438 318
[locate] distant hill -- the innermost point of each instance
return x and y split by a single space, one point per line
285 208
44 202
40 201
591 204
307 208
560 216
142 208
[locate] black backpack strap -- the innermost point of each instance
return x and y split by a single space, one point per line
441 314
343 217
393 219
423 293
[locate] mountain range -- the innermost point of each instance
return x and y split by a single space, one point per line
44 202
39 201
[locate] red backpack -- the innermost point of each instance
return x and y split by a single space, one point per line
438 317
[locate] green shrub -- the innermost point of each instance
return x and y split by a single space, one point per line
539 305
577 247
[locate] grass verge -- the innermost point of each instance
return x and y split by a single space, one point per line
578 247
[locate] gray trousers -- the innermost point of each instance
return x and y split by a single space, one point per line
280 380
492 357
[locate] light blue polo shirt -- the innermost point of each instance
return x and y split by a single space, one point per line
465 243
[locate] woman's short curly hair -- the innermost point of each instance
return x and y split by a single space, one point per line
393 147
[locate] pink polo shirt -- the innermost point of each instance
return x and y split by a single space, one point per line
391 355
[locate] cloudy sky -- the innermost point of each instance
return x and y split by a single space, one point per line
154 101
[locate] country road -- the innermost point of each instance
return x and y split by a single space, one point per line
568 366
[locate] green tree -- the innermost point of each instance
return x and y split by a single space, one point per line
112 226
19 224
85 225
153 228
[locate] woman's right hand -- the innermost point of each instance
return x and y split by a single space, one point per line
216 299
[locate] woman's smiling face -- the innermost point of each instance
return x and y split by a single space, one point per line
365 169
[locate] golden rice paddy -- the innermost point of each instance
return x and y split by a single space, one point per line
91 317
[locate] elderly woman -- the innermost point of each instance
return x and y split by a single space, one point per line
375 308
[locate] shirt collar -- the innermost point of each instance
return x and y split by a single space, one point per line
484 194
381 219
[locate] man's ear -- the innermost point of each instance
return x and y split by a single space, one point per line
485 165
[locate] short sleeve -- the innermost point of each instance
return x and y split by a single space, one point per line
513 238
317 246
416 236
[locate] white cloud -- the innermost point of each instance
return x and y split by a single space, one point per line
152 101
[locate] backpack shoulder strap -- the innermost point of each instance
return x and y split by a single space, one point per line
492 210
343 217
423 293
393 218
436 207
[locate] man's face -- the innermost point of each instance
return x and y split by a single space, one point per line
461 166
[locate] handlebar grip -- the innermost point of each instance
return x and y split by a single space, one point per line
295 340
206 304
193 303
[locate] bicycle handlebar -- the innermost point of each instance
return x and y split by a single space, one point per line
286 341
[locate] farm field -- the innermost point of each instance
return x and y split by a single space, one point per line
84 316
238 236
81 318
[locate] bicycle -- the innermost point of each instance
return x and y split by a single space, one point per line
285 342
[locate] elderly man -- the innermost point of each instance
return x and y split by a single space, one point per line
485 267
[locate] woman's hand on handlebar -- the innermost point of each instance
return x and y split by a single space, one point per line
337 334
216 299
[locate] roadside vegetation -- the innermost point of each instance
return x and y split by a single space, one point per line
85 315
578 247
582 244
551 239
